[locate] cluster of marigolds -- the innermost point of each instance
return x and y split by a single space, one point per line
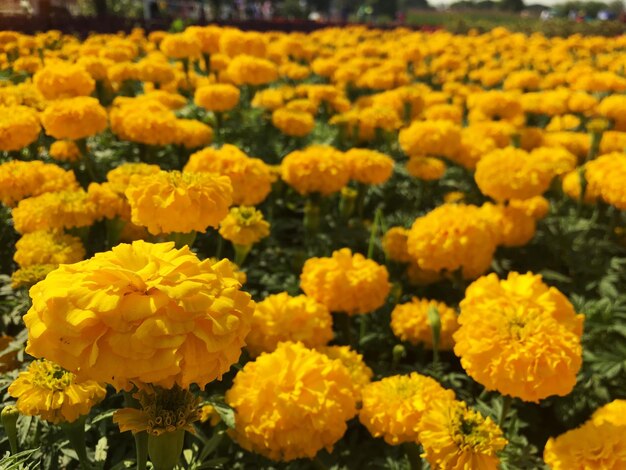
158 321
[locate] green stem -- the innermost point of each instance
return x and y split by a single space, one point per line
241 253
89 166
220 246
360 199
10 414
504 411
345 325
363 324
412 451
141 438
76 434
374 232
165 449
182 239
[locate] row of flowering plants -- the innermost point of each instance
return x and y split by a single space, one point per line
350 249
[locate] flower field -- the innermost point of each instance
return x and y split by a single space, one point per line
349 249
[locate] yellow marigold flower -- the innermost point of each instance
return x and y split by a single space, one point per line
95 66
536 207
395 244
303 105
394 406
316 169
65 151
63 80
369 166
123 71
19 127
29 64
19 180
244 226
566 122
495 106
557 160
207 36
248 70
592 445
234 42
156 71
162 411
63 209
439 138
454 437
512 328
180 46
360 373
473 146
291 403
120 177
452 237
52 247
294 71
512 173
410 322
346 282
512 226
109 318
172 201
281 317
292 122
28 277
239 275
192 134
250 177
613 412
108 202
270 98
444 112
54 394
426 168
217 97
74 118
608 173
150 123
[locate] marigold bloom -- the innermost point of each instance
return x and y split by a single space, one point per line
369 166
394 406
452 237
54 210
250 177
248 70
346 282
244 226
141 313
613 412
316 169
217 97
31 275
410 322
395 244
512 226
192 134
291 403
65 151
63 80
54 394
149 122
162 411
172 201
592 445
439 138
455 437
19 180
19 127
520 337
74 118
536 207
281 317
120 177
292 122
48 248
360 373
426 168
180 46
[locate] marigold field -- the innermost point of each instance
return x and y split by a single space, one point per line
349 249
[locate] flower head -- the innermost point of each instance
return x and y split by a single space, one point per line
369 166
19 127
411 322
291 403
244 226
293 122
346 282
54 394
316 169
141 313
217 97
74 118
48 247
520 337
63 80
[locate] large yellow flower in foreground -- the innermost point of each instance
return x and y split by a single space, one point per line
594 445
141 313
316 169
54 394
393 407
520 337
457 438
346 282
410 322
291 403
452 237
172 201
281 317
